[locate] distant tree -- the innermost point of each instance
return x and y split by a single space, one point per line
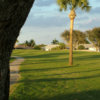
37 47
26 43
62 46
94 37
87 41
55 41
72 4
66 36
78 37
30 43
81 47
41 45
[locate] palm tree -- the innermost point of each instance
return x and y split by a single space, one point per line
55 41
32 43
26 43
73 4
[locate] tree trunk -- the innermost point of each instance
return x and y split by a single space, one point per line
72 17
13 14
71 44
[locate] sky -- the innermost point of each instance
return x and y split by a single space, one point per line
45 22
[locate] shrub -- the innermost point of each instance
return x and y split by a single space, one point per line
62 46
37 47
81 47
56 48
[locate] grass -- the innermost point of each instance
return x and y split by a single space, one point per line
12 59
47 76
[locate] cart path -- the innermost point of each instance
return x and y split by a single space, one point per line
14 70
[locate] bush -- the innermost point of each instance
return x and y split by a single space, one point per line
56 48
62 46
81 47
37 47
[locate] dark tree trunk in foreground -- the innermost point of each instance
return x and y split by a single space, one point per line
13 14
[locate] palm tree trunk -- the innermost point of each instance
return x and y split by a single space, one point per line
72 17
13 14
71 44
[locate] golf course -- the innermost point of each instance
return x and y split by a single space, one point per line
48 76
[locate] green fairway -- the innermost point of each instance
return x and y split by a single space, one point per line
47 76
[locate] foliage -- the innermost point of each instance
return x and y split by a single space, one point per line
30 43
48 76
55 41
62 46
37 47
66 35
94 36
78 37
26 43
81 47
73 4
42 45
87 41
56 48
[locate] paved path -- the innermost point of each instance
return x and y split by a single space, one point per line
14 70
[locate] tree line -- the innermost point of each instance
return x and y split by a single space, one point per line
87 37
31 44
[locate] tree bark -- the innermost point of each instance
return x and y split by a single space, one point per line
72 17
71 44
13 14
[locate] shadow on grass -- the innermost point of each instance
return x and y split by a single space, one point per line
52 59
57 60
47 55
89 57
84 95
74 72
59 79
48 69
45 61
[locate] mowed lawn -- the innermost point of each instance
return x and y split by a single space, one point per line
47 76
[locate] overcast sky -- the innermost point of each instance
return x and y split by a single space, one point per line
46 23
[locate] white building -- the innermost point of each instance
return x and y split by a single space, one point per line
90 47
50 47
